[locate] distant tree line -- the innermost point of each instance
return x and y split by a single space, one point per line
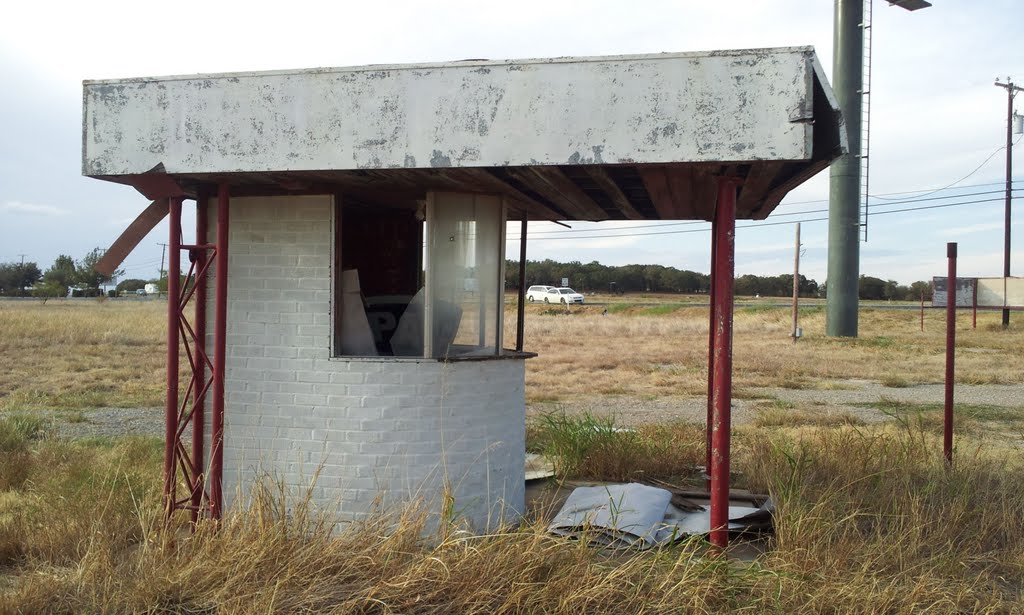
595 277
879 289
26 279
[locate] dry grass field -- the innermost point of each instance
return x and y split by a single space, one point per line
71 355
869 518
662 350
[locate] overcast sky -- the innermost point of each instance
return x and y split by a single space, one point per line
936 115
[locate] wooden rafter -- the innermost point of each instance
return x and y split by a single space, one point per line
482 179
756 186
619 198
560 190
671 191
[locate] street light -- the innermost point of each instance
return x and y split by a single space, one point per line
1011 91
910 5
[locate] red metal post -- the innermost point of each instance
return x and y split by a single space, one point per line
173 341
711 356
725 233
219 360
922 310
947 431
199 413
974 305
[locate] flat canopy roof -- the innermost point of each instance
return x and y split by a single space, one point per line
618 137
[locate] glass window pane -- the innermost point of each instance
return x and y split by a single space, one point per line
464 268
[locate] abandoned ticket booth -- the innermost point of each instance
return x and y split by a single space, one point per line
347 267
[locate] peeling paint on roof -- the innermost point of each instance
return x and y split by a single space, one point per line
662 108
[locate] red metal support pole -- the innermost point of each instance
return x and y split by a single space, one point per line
974 305
173 317
724 267
219 359
922 311
947 427
199 414
711 356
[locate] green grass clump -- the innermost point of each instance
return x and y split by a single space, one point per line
661 310
617 308
588 447
17 429
760 308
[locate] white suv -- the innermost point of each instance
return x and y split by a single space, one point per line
552 294
563 295
538 293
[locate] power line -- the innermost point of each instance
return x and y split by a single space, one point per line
656 224
927 191
593 233
895 203
990 156
764 224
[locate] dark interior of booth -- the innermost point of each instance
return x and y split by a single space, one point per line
384 246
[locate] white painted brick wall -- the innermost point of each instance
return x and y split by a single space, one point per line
394 429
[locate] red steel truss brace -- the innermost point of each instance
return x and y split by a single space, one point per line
721 332
184 467
202 262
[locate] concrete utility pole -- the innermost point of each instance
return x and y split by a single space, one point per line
844 174
841 309
1011 91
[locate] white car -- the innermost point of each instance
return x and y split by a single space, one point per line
562 295
537 293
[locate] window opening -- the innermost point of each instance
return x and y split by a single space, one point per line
423 280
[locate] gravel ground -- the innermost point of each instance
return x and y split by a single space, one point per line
106 422
843 399
111 422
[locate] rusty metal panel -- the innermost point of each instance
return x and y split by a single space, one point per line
964 291
691 107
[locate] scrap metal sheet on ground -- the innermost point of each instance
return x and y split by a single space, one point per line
642 516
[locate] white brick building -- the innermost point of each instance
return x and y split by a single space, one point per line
357 430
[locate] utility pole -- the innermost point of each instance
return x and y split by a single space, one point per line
163 255
796 285
1011 91
21 274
